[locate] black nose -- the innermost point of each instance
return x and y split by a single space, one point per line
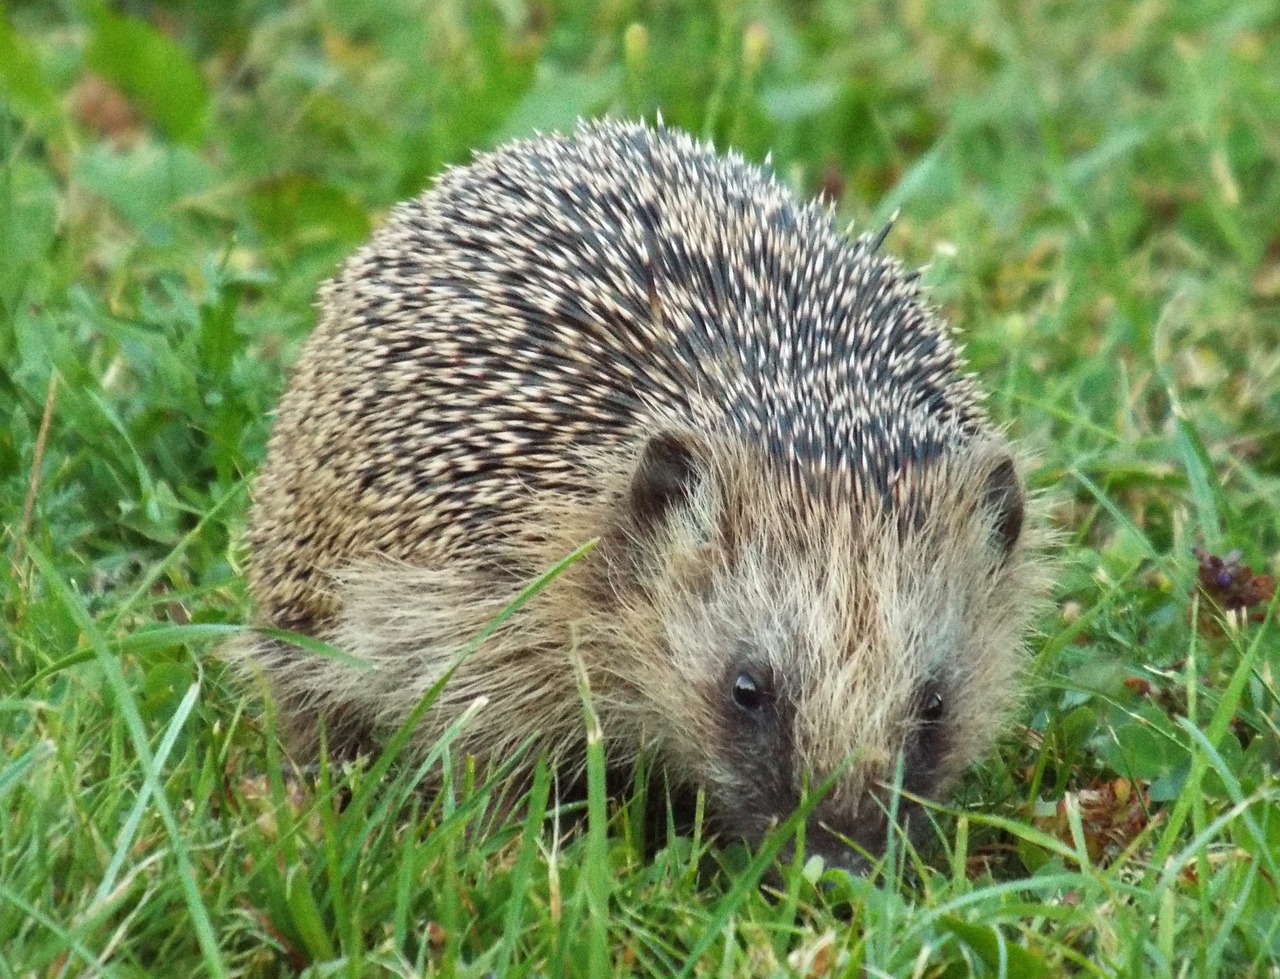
854 847
847 859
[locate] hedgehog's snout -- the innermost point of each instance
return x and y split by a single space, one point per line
856 801
851 839
854 851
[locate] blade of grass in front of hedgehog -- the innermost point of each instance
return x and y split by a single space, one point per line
521 876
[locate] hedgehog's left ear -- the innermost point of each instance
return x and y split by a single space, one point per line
666 475
1002 496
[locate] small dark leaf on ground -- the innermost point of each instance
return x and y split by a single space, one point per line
1232 585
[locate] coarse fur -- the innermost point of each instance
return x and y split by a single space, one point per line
813 554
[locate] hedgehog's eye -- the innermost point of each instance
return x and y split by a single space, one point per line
932 708
747 692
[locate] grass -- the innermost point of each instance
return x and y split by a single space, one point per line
1095 190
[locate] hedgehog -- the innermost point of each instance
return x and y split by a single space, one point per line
811 560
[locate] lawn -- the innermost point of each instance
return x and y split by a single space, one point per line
1094 190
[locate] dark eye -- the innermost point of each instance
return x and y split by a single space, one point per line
932 708
747 693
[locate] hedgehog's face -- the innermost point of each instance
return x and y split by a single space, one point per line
815 649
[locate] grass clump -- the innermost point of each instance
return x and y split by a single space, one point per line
1094 191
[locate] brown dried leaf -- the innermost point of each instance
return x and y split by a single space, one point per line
1266 280
1139 685
435 935
1112 816
1233 586
100 106
816 958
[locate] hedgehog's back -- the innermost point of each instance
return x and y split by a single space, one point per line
552 303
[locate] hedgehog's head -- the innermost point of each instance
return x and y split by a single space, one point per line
817 636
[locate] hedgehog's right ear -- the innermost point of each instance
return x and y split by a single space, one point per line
666 475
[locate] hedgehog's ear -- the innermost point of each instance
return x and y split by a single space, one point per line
666 475
1003 499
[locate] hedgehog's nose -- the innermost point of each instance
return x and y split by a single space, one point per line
853 845
854 842
844 857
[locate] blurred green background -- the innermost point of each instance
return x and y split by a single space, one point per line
1094 189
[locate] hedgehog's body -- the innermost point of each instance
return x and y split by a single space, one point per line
810 544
